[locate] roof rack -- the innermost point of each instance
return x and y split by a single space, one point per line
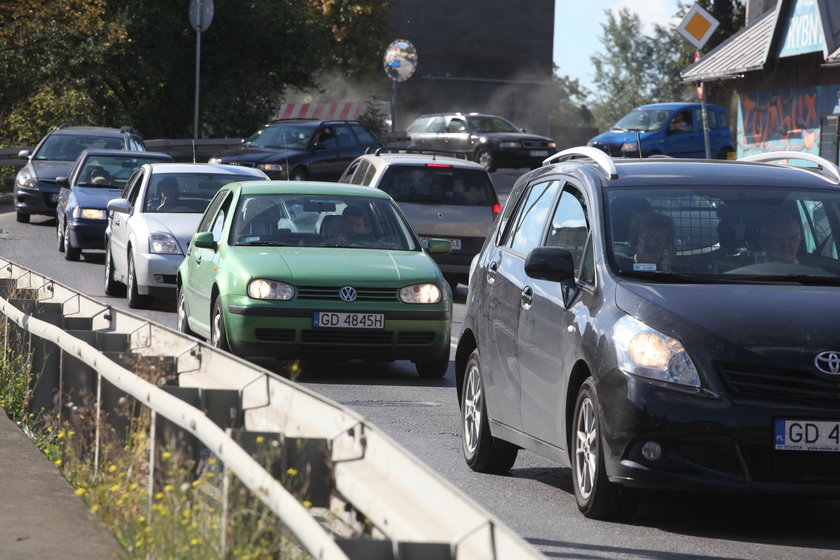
600 158
387 150
127 128
825 167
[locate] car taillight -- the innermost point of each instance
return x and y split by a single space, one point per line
438 165
497 208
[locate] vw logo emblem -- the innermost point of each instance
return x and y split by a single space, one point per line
347 293
828 362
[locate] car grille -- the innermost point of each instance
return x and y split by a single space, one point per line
535 144
612 150
415 337
346 337
275 335
328 293
800 467
239 163
781 384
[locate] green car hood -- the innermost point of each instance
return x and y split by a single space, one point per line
334 266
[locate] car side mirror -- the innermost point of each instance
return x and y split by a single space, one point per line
119 205
319 146
23 154
204 240
439 247
62 181
554 264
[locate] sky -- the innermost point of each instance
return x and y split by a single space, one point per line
577 30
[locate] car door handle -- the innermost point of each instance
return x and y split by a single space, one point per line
492 268
526 297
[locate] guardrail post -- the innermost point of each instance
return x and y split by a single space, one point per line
78 380
44 381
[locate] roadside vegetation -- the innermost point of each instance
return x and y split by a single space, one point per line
186 507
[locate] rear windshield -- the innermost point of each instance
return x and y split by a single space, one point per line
439 184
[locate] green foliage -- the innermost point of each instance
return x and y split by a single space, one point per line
30 120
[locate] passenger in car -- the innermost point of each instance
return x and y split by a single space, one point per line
652 239
781 236
169 193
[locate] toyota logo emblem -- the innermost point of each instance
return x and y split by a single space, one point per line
828 362
347 293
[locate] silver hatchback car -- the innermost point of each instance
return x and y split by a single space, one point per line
443 197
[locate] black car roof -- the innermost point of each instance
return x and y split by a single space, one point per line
313 122
104 152
93 130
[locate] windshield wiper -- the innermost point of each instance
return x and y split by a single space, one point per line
671 277
807 279
266 243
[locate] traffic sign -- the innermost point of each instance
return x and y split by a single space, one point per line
697 26
201 14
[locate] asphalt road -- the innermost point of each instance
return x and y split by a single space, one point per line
535 499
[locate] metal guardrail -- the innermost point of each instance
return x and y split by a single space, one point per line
364 471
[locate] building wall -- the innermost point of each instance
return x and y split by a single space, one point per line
477 55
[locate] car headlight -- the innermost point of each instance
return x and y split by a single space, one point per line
89 213
552 145
270 289
163 243
27 180
646 352
630 147
420 293
270 167
510 145
214 160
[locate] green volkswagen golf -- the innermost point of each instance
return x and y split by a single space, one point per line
312 270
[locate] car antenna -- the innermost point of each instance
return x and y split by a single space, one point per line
193 149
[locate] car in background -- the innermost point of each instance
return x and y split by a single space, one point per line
147 237
36 191
660 323
443 197
302 149
668 129
308 270
490 140
81 211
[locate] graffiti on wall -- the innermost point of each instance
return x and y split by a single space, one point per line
780 120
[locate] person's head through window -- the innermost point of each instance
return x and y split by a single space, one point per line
781 236
652 239
169 192
681 122
98 176
353 223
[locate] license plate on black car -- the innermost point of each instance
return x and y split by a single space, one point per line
807 435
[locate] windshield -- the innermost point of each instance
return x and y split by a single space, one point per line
725 233
491 124
320 221
67 147
285 136
642 120
439 184
186 193
111 171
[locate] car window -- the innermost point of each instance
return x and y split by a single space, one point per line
569 225
437 124
293 136
345 136
347 176
194 190
132 187
361 173
531 218
712 117
419 125
111 171
364 135
438 184
456 125
212 208
327 137
681 122
490 123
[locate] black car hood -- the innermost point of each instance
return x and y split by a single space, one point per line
509 136
749 315
255 155
49 170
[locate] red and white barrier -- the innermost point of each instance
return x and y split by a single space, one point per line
351 110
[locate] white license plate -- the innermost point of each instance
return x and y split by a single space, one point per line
456 243
348 320
538 153
807 435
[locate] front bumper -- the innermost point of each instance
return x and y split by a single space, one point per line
516 158
87 235
272 329
42 200
710 443
156 274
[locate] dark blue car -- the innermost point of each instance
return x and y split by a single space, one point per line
96 177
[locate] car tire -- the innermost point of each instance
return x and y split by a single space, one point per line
432 368
136 300
596 496
299 173
183 322
218 335
22 217
59 235
70 253
112 287
482 452
485 158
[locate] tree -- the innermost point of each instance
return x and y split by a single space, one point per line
638 69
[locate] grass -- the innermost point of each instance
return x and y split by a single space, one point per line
186 507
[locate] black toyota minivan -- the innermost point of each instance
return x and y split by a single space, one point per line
660 324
